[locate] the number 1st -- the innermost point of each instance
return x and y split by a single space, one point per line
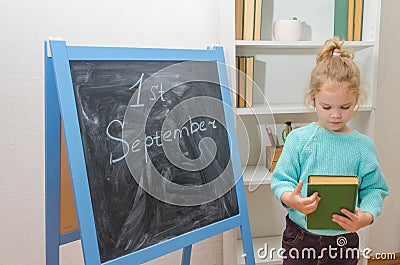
139 84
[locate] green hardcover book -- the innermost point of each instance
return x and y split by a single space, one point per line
340 19
336 192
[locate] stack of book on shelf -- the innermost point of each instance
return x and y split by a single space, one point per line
244 81
248 19
349 19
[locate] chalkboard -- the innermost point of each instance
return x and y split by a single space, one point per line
152 151
127 217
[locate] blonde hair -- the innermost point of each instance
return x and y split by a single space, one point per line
335 69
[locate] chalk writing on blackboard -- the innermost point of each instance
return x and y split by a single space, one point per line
159 137
150 151
139 85
207 109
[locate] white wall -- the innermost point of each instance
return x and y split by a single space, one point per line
384 234
24 27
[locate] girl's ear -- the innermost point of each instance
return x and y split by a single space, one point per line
312 101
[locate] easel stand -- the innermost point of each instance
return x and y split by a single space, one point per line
54 238
59 102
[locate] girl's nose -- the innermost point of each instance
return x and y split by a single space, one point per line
336 115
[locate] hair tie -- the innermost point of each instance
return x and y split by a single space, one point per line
336 54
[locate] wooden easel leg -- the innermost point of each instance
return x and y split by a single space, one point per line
247 241
52 164
187 251
247 246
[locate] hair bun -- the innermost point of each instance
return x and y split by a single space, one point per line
333 48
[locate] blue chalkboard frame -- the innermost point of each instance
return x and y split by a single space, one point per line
60 100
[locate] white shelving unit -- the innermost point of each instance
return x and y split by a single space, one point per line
296 45
261 109
255 175
281 74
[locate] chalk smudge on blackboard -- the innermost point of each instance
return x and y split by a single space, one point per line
126 217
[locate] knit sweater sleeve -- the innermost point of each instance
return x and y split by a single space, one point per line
373 187
286 173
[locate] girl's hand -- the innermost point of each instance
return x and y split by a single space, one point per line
353 221
294 200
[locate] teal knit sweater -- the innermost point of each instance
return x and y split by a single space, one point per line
313 150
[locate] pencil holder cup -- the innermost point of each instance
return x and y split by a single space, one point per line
287 30
272 154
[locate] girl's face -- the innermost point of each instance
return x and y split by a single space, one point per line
334 109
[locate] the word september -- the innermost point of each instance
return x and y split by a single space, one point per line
158 138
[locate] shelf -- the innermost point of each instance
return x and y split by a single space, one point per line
262 109
296 44
269 242
255 175
273 109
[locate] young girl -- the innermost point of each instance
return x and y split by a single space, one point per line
328 147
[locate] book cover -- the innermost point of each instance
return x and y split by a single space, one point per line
340 20
242 82
248 20
249 81
239 19
237 81
336 192
350 20
257 19
358 18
